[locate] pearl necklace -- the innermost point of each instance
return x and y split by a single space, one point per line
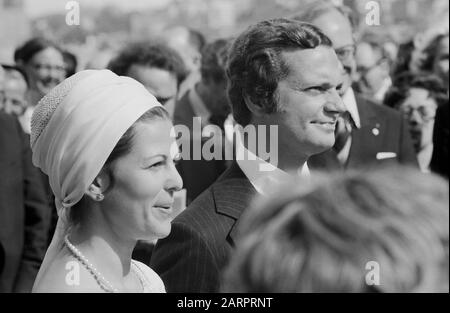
100 279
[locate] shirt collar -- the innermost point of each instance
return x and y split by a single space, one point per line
350 103
264 176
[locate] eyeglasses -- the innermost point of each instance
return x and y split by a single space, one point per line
48 67
345 52
426 113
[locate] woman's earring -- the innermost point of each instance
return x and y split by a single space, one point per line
99 197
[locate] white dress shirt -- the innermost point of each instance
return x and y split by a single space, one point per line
350 104
264 176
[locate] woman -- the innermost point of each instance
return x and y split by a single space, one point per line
106 145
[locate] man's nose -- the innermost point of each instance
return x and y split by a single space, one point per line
334 103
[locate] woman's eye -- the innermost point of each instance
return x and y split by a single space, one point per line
157 164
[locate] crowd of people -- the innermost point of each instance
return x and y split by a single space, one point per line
94 172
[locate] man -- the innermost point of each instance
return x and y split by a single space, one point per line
369 133
15 90
188 43
283 74
24 209
373 68
159 68
207 100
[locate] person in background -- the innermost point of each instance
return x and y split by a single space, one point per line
383 231
437 57
70 63
426 52
367 134
159 68
189 43
24 209
208 101
373 68
43 62
418 97
441 134
15 95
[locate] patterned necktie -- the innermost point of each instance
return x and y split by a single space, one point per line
344 125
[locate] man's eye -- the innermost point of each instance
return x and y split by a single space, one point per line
316 88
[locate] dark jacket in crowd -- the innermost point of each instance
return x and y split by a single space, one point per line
193 256
383 138
439 160
197 175
24 209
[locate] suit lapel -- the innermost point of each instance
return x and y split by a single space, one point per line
364 143
232 194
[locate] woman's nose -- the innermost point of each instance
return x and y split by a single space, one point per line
175 182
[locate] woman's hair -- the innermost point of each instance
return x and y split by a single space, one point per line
25 53
122 148
330 235
432 51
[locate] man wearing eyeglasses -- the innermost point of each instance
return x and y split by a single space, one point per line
373 70
367 133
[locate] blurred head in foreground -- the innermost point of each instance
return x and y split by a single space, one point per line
383 231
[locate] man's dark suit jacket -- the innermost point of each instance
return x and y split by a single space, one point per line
24 209
441 134
193 256
197 175
382 130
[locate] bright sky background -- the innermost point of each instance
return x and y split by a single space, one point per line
36 8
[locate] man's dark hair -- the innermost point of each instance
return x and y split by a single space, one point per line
70 61
15 68
214 59
24 53
155 55
255 65
403 83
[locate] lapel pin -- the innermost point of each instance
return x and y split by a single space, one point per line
375 131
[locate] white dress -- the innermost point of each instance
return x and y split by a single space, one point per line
151 281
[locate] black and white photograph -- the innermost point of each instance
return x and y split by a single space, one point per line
224 151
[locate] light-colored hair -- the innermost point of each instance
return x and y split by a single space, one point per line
319 237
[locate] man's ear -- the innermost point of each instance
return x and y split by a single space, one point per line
99 186
256 109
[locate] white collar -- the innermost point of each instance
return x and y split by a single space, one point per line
264 176
350 103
